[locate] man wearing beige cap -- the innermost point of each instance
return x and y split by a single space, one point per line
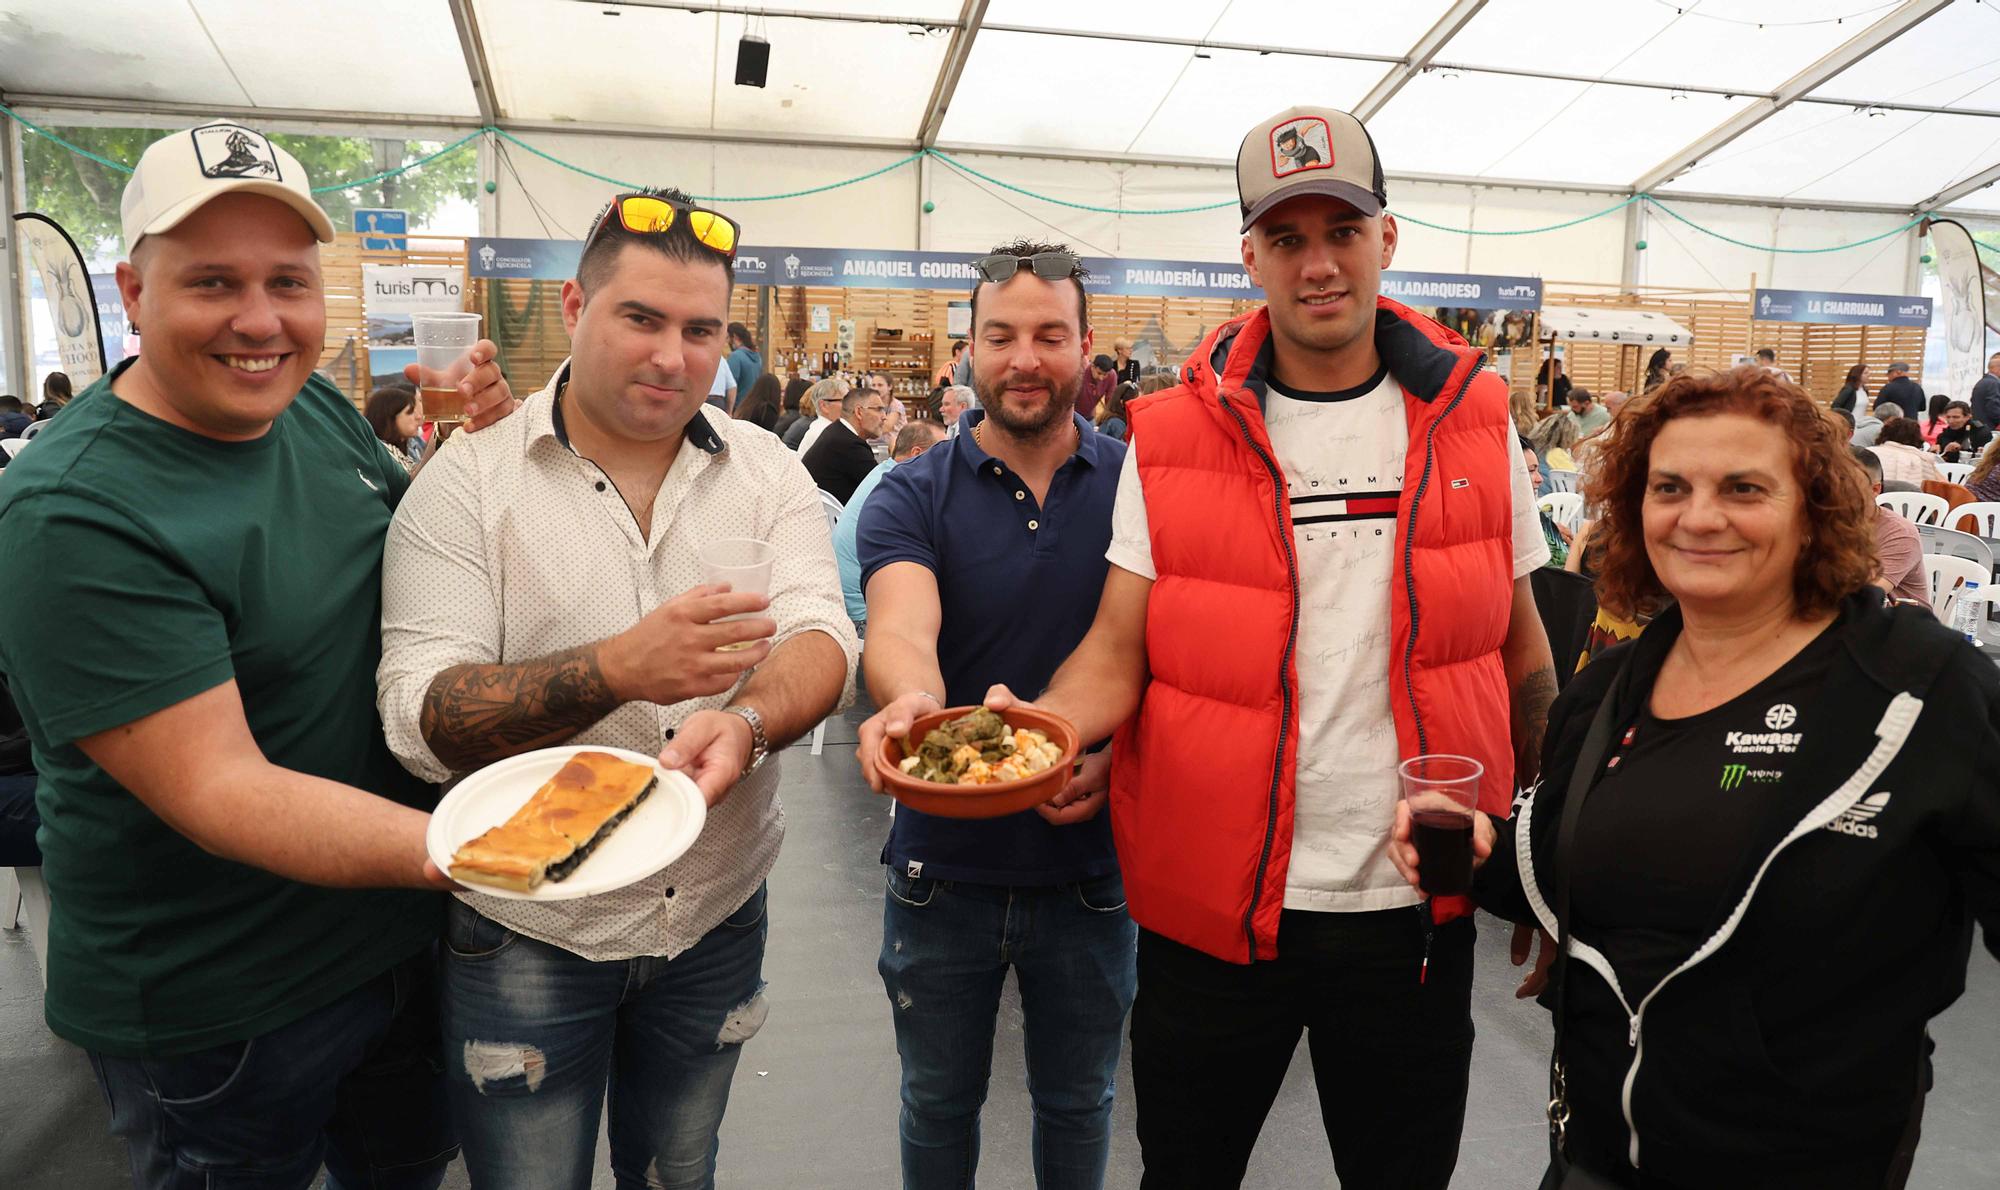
1319 557
243 913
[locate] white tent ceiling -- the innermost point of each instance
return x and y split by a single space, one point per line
1843 102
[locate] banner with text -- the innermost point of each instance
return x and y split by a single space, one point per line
390 294
555 260
67 292
1841 309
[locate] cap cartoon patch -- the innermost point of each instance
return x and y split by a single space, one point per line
232 151
1302 144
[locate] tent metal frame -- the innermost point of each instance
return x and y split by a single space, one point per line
970 23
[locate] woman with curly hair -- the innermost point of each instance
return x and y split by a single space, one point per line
1763 828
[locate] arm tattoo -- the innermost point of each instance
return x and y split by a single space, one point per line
477 714
1532 697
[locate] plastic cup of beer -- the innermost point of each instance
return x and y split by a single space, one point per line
1442 792
444 344
743 564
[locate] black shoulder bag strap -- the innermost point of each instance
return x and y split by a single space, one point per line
1561 1176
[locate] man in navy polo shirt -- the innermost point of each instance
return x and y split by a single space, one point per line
982 561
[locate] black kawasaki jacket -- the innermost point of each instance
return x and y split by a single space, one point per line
1786 1050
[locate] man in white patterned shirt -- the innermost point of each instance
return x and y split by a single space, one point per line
539 589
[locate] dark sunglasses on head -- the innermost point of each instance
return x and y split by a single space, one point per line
649 214
1049 266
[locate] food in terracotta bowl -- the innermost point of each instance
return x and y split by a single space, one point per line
969 762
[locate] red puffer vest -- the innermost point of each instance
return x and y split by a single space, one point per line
1202 778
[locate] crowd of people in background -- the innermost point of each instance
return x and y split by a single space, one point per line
1248 588
1903 440
847 425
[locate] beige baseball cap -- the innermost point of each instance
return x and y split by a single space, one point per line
1308 150
182 170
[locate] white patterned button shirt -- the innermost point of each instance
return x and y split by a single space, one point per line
510 546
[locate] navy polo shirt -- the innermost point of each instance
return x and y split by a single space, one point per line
1018 583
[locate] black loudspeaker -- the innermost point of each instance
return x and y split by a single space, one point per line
753 61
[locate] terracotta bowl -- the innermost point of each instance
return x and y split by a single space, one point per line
980 801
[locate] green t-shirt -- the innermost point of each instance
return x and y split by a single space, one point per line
156 564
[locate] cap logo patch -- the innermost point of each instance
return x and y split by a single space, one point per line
1301 144
232 151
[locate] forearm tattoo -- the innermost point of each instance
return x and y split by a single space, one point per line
477 714
1531 720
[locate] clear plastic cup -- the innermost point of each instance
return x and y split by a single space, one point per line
1442 792
743 564
444 342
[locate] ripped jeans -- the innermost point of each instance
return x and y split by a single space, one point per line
534 1035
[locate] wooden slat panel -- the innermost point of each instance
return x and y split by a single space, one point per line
344 355
1817 356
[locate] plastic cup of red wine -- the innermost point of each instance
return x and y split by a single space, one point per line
1442 792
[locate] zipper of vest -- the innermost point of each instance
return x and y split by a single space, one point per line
1409 563
1284 668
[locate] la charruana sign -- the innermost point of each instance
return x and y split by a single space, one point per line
1840 309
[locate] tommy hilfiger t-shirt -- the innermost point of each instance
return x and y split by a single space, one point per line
1342 457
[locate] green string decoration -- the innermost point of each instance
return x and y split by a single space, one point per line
1773 247
961 168
1525 231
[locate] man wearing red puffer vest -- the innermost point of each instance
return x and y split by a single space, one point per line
1319 559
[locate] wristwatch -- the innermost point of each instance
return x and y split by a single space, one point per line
760 744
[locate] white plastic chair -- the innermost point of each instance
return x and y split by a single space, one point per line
34 428
1955 472
1916 507
833 509
31 898
1985 515
1564 508
1564 481
1953 543
1947 577
12 445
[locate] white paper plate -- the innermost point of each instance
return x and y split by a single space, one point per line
658 832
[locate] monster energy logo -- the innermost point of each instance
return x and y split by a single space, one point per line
1732 775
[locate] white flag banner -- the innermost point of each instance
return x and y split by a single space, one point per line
1963 308
66 290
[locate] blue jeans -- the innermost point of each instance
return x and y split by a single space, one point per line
946 948
357 1084
534 1034
18 823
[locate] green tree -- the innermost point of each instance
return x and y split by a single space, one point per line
83 195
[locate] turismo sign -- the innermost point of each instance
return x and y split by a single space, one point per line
1847 309
555 260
